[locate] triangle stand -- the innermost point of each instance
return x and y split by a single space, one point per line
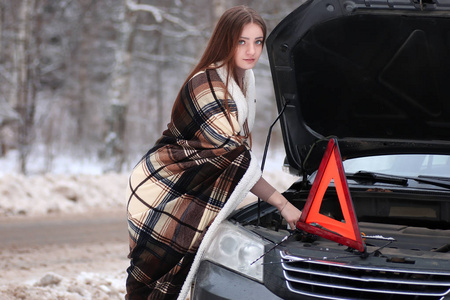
345 232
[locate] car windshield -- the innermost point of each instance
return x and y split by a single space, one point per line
411 165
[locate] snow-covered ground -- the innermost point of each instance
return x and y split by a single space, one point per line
46 273
80 186
60 193
72 272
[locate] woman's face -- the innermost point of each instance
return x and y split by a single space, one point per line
249 47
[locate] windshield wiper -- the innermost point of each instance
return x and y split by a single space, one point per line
432 180
364 176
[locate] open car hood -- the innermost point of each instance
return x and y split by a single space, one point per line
374 74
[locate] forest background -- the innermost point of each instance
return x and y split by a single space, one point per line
91 82
86 88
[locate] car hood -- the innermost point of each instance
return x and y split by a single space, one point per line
373 74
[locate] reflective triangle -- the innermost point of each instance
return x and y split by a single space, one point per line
312 221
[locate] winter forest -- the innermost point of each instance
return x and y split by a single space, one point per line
86 88
93 81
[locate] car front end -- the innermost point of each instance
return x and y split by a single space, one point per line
372 75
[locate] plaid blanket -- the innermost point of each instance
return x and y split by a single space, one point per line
180 186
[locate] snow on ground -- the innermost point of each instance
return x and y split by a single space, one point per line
73 274
85 285
66 272
60 193
76 189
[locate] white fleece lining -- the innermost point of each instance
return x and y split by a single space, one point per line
245 104
246 110
251 98
244 186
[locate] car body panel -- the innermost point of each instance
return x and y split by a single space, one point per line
214 282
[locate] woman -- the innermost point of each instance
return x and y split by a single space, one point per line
202 166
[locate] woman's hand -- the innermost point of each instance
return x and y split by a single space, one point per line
287 210
291 214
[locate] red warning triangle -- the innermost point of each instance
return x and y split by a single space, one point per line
312 221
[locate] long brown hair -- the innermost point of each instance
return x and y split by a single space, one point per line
224 40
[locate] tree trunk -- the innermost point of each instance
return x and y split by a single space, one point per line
119 90
25 101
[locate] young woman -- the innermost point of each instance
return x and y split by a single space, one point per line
202 166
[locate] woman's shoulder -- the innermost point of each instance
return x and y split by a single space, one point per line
207 76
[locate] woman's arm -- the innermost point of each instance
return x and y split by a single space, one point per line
269 194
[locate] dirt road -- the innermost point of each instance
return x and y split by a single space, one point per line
64 256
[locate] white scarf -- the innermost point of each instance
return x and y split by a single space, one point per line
246 110
245 104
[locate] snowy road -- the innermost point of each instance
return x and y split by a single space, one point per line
64 256
63 230
64 237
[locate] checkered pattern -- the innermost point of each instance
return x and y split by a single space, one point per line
181 184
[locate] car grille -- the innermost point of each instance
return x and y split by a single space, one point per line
329 280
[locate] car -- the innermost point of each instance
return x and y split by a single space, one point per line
367 80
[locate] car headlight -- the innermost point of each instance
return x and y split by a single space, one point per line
236 248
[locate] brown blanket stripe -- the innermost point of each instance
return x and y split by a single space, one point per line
180 185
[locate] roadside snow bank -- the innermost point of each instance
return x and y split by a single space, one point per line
56 193
53 193
73 192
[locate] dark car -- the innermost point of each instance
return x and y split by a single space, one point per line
373 76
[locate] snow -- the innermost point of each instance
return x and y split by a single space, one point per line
60 193
86 285
77 188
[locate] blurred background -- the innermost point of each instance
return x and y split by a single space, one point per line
87 86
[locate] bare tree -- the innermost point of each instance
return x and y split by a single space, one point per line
120 85
96 79
163 27
26 78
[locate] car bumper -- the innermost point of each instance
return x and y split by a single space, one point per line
214 282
